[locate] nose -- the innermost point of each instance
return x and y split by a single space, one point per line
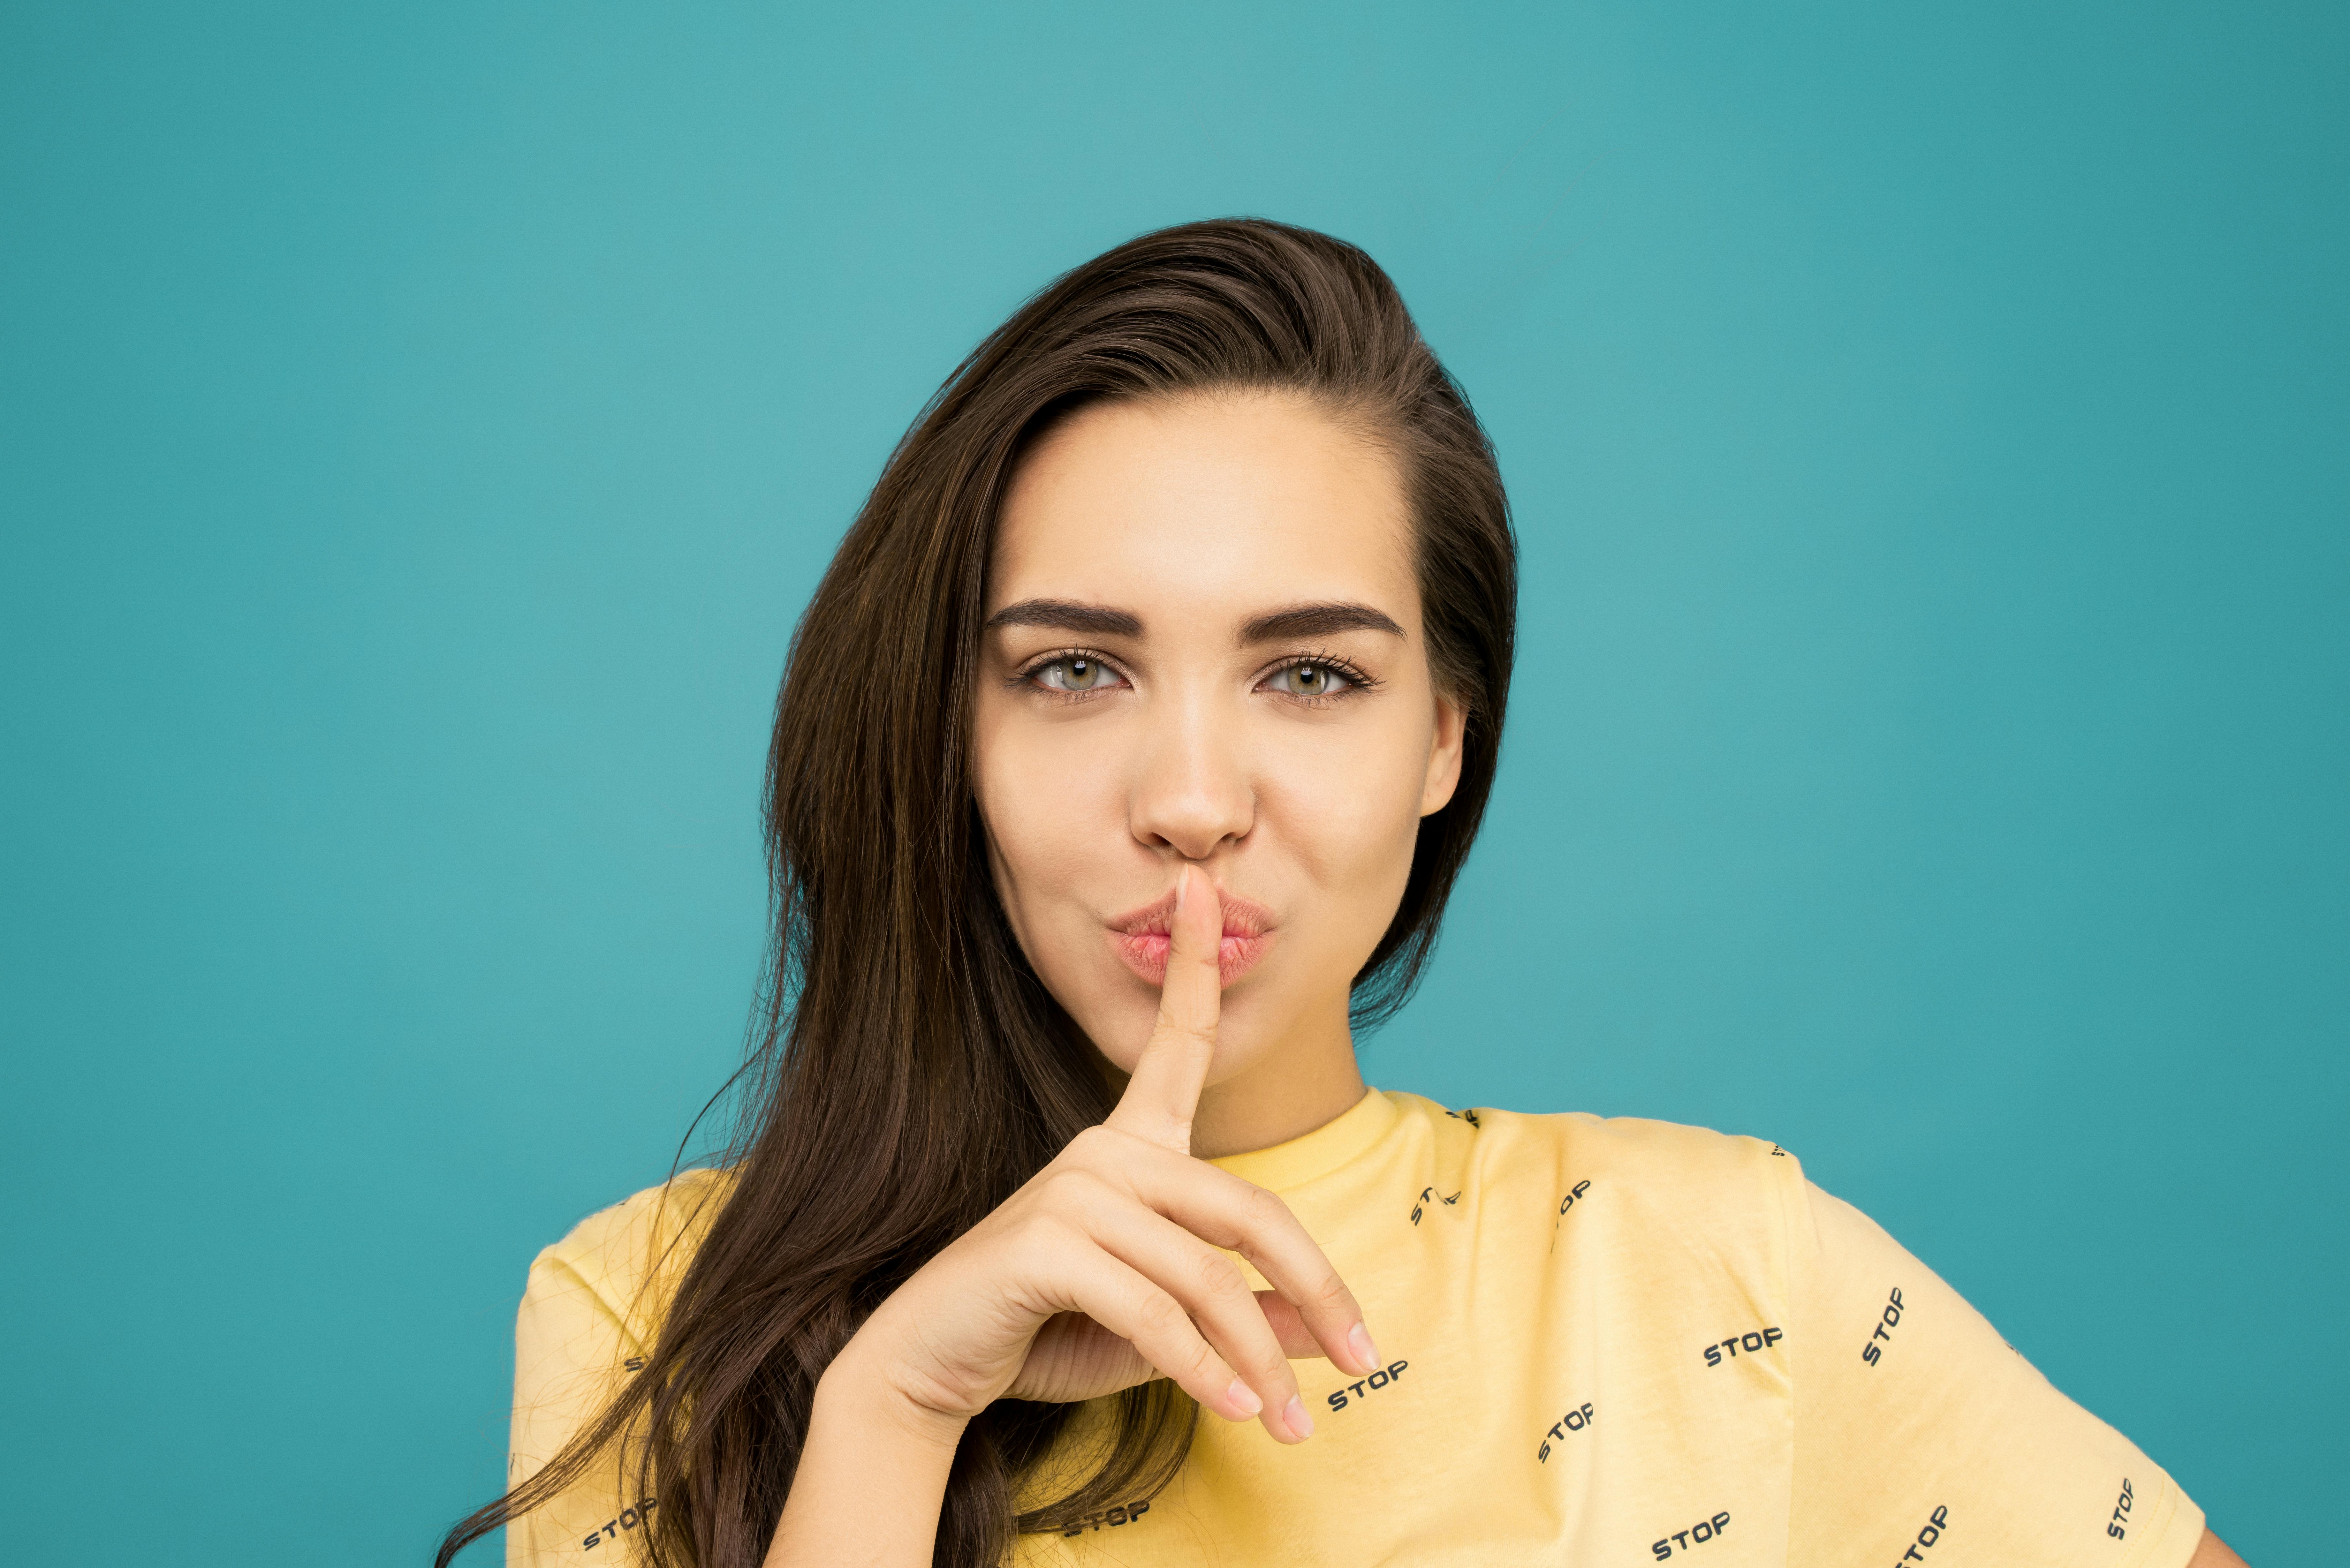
1191 791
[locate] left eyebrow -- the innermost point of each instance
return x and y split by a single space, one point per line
1317 620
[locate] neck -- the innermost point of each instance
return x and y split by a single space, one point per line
1303 1081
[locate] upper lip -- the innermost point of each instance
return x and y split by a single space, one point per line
1243 916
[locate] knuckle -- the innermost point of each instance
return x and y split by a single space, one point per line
1159 1314
1093 1143
1047 1235
1217 1274
1263 1209
1330 1292
1149 1132
1200 1361
1070 1186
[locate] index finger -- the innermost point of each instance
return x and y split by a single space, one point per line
1164 1090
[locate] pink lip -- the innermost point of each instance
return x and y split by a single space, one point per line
1141 938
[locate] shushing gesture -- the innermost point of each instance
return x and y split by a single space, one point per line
1105 1270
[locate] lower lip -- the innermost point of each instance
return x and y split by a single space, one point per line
1145 952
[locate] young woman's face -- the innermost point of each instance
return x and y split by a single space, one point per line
1203 645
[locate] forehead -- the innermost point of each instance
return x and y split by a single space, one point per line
1206 504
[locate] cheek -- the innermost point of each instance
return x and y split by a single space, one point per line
1351 816
1052 812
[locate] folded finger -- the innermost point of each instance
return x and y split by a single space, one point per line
1226 1211
1216 1293
1118 1296
1297 1340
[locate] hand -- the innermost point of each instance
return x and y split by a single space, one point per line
1104 1270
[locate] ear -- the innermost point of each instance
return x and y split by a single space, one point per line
1444 755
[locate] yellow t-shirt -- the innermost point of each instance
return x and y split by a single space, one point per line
1610 1342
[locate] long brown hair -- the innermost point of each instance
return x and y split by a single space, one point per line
908 1070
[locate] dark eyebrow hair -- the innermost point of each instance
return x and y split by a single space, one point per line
1317 620
1068 615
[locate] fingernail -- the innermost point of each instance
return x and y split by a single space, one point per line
1243 1398
1366 1354
1293 1416
1182 885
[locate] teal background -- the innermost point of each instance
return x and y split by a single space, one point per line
1930 439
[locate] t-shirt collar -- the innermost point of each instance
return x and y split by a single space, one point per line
1319 1152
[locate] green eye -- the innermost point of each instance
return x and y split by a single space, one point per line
1309 680
1074 672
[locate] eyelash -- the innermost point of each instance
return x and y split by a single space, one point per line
1357 680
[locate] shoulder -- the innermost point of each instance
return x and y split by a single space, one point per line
1648 1166
1622 1144
628 1257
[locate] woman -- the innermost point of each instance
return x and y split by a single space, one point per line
1124 762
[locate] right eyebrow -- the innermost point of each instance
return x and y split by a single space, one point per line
1068 615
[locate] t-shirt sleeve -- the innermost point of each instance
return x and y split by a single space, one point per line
588 1312
1922 1438
570 1349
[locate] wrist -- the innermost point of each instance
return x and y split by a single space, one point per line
872 1474
858 1390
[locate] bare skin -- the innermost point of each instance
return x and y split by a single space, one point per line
2214 1553
1205 649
